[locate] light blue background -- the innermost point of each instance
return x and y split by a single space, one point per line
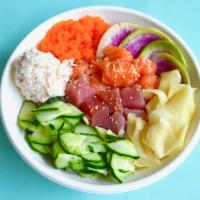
20 182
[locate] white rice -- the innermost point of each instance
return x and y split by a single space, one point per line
41 76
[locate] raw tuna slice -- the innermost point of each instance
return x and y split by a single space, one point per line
117 123
137 112
137 40
114 35
132 97
112 98
97 111
167 62
79 90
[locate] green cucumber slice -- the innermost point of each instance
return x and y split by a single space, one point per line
121 166
72 121
55 124
67 127
92 138
124 147
55 110
43 135
96 165
85 129
56 149
108 135
53 99
63 160
94 157
108 156
96 147
44 149
25 113
73 143
26 126
100 171
89 175
77 165
50 106
85 120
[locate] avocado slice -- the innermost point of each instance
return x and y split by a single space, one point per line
137 40
114 35
163 46
167 62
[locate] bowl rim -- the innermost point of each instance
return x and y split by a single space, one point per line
116 188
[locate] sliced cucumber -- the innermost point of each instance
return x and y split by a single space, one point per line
55 124
72 121
56 149
43 135
101 132
108 156
96 147
53 99
124 147
111 137
100 171
51 106
121 166
92 138
26 126
89 174
57 109
77 165
44 149
85 129
108 135
63 131
63 160
94 157
25 113
85 120
67 127
73 143
96 165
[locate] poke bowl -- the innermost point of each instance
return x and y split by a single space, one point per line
109 105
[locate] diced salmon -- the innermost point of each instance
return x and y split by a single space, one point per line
95 68
113 98
97 111
115 53
132 97
119 73
148 81
77 91
117 123
80 68
145 66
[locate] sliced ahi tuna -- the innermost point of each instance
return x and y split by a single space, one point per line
97 111
79 90
132 97
117 123
113 98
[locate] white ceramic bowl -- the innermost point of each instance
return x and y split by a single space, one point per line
11 102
